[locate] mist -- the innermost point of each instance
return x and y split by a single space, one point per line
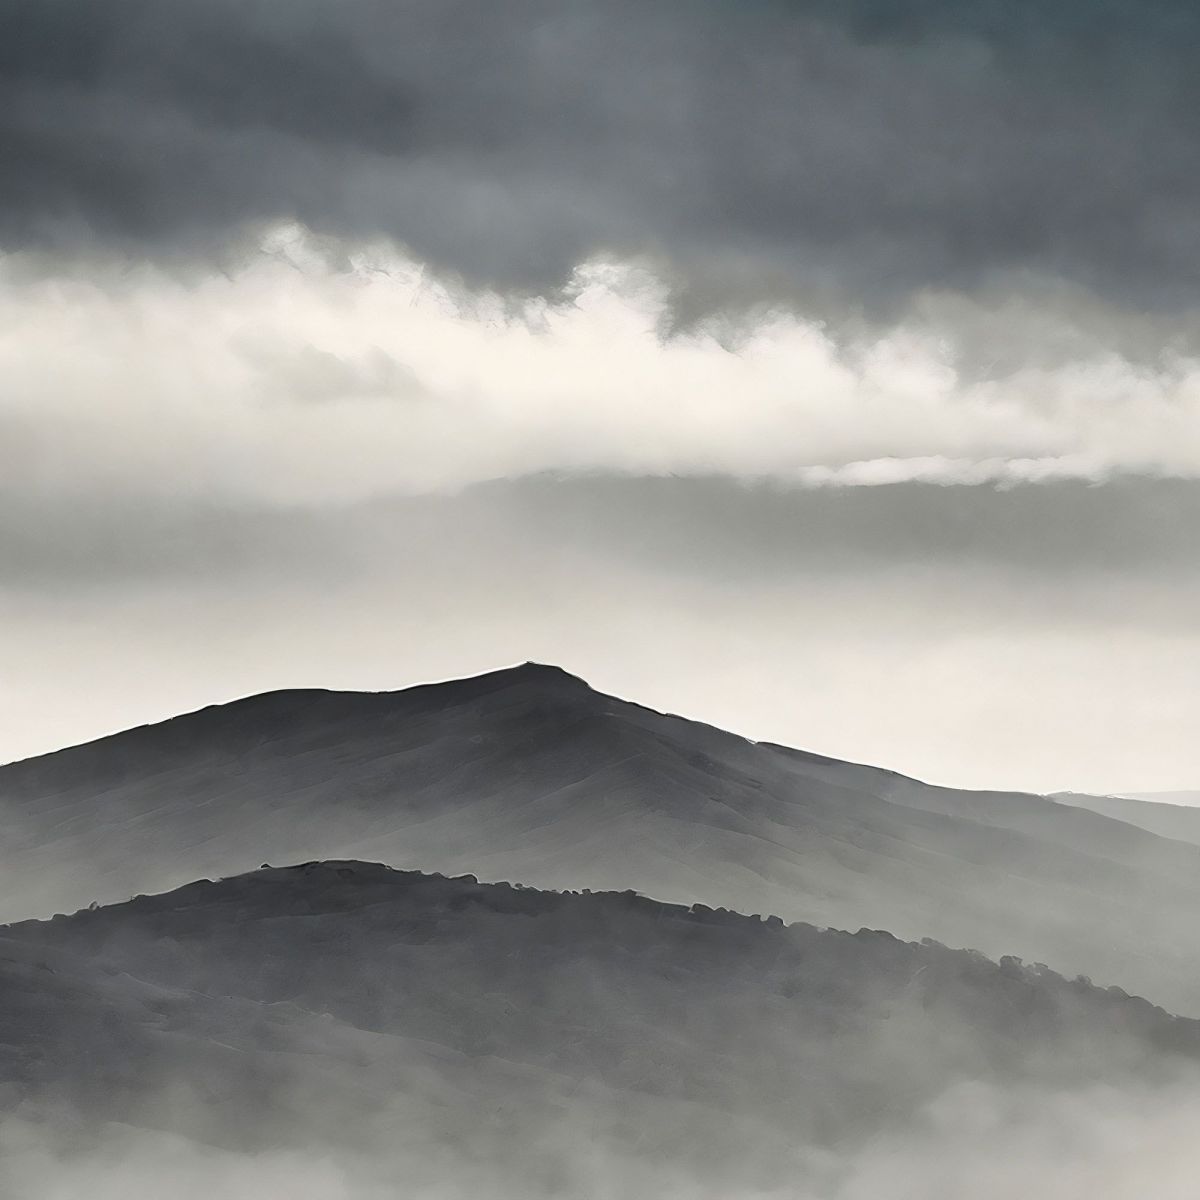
1084 1145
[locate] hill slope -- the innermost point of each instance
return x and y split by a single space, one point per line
443 1030
528 774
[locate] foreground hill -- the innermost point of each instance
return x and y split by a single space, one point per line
529 774
441 1030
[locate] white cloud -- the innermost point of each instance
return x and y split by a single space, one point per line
293 381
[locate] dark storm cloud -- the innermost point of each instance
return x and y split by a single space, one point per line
750 150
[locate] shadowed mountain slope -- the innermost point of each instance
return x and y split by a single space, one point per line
529 774
391 1013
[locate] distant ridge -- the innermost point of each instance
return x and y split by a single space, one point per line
1189 799
1175 815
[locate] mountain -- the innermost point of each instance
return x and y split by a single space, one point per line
1168 814
443 1034
528 774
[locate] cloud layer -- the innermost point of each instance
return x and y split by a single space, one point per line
801 149
299 382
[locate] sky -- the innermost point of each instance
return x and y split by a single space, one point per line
826 371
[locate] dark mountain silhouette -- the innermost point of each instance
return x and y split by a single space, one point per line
528 774
345 1004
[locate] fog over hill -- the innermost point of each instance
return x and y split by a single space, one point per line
527 774
343 1029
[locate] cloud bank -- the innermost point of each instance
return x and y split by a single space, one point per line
1083 1144
298 382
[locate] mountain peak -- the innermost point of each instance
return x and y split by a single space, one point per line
546 673
535 675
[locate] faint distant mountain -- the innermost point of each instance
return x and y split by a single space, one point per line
435 1027
528 774
1189 799
1168 814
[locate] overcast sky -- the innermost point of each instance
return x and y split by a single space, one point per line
828 373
